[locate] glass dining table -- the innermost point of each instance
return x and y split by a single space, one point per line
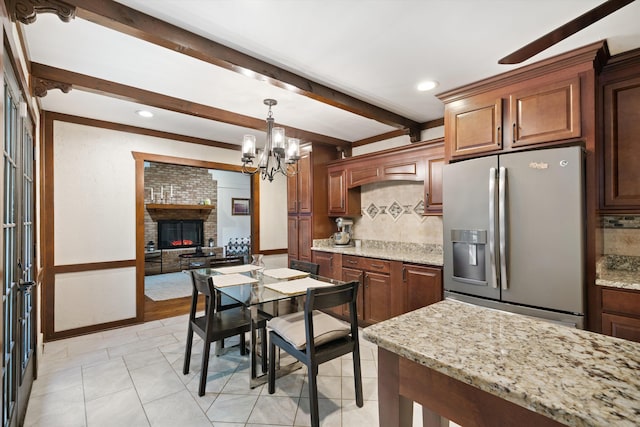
259 295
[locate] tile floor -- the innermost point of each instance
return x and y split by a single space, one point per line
133 377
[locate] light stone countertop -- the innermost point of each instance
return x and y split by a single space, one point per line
575 377
394 251
618 271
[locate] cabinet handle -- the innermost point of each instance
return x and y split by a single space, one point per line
426 200
377 265
498 134
514 132
404 274
352 262
331 262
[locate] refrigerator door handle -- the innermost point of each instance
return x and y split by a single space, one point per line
502 224
492 231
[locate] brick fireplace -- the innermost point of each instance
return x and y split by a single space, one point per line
190 186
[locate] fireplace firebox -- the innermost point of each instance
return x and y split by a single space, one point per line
180 234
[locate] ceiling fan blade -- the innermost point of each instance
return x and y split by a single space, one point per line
564 31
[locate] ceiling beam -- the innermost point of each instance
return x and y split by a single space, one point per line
137 24
153 99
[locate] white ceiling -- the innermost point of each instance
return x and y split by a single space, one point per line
373 50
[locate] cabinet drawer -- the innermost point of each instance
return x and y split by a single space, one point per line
621 301
368 264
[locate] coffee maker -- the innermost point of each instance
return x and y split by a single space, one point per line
343 236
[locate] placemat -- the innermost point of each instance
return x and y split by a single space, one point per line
232 279
236 269
297 286
285 273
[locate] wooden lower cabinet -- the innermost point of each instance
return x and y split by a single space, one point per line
624 327
621 313
330 264
387 288
377 297
423 286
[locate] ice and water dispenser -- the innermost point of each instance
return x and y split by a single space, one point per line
469 249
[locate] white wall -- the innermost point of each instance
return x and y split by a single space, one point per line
399 141
94 199
231 185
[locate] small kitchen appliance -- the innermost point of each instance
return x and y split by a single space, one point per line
343 236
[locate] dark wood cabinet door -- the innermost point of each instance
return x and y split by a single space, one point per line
292 194
337 192
292 236
545 113
377 288
423 286
304 238
474 125
304 185
433 186
325 261
622 144
349 275
624 327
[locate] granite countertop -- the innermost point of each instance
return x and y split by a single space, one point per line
575 377
618 271
395 251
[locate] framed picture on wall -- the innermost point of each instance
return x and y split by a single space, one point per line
240 206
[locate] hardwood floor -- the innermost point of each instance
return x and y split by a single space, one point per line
155 310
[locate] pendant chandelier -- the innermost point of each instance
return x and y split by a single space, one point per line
279 155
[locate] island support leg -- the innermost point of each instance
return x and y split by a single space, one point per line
394 410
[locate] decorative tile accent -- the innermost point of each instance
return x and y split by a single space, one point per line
372 211
395 210
620 221
418 209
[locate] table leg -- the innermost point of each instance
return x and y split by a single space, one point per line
394 410
252 345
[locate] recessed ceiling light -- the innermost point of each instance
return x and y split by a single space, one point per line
427 85
144 113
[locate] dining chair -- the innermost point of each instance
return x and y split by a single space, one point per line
225 302
313 337
306 266
215 324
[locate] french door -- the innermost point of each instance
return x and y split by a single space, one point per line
18 260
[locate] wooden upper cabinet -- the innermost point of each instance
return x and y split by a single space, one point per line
417 162
292 194
342 201
545 113
304 184
299 187
474 125
337 190
433 185
622 145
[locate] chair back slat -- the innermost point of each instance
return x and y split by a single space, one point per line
305 266
331 296
201 284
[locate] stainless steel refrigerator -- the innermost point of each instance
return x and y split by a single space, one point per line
514 233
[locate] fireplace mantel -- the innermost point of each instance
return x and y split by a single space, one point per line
159 207
172 211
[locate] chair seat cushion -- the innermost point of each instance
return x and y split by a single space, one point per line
325 328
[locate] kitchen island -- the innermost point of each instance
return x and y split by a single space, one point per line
478 366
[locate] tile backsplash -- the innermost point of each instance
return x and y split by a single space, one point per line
392 211
621 235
